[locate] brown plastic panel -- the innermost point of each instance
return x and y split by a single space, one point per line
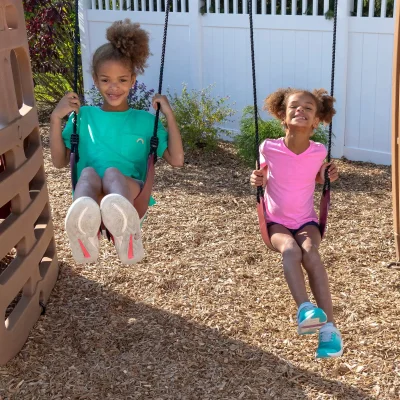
28 278
396 132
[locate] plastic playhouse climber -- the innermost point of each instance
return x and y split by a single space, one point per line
26 230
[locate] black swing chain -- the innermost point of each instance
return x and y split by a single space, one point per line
75 136
327 183
154 138
253 67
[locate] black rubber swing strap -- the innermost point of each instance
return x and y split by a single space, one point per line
253 68
74 136
327 183
154 139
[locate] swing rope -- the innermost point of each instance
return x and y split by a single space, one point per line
327 183
154 139
74 136
253 68
325 199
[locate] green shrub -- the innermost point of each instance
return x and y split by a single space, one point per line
50 27
200 116
51 86
271 129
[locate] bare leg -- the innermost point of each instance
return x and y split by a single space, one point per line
115 182
309 239
284 242
83 218
120 216
89 184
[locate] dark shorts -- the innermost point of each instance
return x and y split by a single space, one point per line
139 182
294 231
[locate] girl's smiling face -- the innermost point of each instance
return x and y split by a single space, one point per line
114 81
301 112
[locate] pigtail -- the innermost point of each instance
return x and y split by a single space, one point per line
326 111
275 103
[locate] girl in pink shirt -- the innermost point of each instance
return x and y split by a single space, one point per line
289 168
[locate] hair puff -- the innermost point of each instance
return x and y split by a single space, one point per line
128 43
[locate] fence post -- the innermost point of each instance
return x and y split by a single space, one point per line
196 44
342 59
84 6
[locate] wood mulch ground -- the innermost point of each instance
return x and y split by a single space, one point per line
207 315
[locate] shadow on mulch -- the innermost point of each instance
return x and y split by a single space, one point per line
104 345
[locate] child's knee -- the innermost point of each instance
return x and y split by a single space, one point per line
90 176
292 251
111 174
310 253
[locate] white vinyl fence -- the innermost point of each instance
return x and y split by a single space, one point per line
208 43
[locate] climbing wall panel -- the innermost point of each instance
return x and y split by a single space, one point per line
29 267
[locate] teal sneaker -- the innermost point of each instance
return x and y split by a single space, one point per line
330 342
309 319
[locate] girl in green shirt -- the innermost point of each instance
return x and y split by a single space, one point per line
114 143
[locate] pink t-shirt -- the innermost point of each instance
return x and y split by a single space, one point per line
290 187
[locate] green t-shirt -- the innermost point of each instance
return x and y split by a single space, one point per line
115 139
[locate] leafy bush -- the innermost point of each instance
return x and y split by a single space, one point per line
50 27
139 97
43 19
271 129
200 116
